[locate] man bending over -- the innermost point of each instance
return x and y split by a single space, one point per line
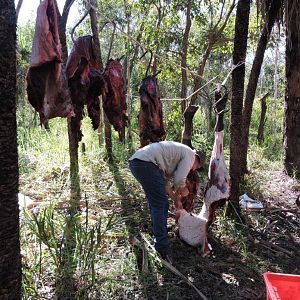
152 166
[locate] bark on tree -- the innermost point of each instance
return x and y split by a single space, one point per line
75 192
97 49
108 143
161 14
127 68
275 90
10 258
238 78
65 284
188 121
262 121
292 94
185 43
273 7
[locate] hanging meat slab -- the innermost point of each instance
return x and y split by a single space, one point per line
46 84
150 116
85 80
114 98
193 228
192 184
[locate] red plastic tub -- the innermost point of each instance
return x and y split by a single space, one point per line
282 286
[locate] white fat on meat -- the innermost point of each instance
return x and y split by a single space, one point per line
191 228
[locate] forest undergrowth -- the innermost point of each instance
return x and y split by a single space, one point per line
106 264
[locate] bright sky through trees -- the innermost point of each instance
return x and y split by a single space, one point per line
29 7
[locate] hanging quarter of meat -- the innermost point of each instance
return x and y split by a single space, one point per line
46 84
192 184
114 98
194 228
85 81
150 116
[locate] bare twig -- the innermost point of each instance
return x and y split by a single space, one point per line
271 246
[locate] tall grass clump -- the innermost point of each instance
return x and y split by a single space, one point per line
43 239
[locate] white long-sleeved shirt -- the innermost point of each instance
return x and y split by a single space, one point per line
174 159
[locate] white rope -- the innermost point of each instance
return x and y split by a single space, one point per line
191 95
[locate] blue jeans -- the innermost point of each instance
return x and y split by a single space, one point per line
153 183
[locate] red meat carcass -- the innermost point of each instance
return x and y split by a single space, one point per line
114 98
150 117
193 228
46 84
85 80
192 184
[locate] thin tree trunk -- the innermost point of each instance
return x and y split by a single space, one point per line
127 68
97 49
185 43
65 284
161 15
108 143
292 94
75 192
10 258
238 78
275 90
188 117
20 2
95 31
272 13
101 122
263 112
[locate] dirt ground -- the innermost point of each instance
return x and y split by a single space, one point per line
269 241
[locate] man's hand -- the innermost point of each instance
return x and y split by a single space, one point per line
182 191
170 191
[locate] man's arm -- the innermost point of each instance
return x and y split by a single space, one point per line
183 168
177 195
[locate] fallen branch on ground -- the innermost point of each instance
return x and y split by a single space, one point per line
271 246
172 268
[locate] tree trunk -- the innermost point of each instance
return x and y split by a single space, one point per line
238 78
101 122
127 68
65 284
275 90
10 258
185 42
108 143
188 121
292 94
272 13
97 49
263 112
20 2
75 192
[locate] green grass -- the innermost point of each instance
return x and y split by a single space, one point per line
104 262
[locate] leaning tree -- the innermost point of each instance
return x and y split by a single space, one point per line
10 259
